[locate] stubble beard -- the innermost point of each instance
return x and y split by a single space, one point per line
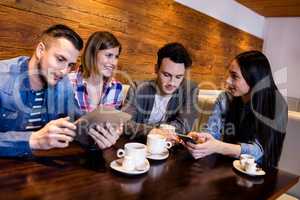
41 77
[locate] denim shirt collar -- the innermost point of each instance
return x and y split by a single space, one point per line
24 71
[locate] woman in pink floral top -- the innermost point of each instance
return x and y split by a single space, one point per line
93 82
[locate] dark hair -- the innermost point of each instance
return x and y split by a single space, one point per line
268 108
176 52
63 31
97 41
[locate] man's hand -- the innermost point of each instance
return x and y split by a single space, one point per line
56 134
169 135
106 136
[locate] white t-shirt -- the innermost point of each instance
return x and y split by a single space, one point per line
159 109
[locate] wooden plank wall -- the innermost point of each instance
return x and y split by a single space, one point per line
142 26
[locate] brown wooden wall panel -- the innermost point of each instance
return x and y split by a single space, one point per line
142 26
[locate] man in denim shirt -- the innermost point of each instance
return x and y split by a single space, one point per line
36 97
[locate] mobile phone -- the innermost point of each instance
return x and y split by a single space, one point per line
186 138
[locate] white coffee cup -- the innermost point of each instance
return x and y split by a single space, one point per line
167 127
128 163
246 158
250 167
157 144
137 151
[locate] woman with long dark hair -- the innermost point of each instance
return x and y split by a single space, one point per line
250 117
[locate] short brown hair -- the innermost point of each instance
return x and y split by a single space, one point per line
97 41
62 31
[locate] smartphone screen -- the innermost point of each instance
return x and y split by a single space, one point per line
186 138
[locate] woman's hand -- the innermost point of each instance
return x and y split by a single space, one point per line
106 136
206 145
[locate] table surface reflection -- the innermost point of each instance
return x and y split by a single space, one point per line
73 173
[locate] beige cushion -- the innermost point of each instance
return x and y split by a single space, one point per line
206 102
293 103
125 89
290 160
286 197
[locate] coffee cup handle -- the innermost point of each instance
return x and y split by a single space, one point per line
255 165
169 144
120 153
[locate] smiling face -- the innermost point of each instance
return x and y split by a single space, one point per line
236 84
55 59
169 76
107 61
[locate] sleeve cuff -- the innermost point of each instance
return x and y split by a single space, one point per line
15 144
251 149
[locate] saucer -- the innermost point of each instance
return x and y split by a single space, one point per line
237 166
162 156
118 167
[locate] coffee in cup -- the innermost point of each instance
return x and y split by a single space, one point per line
167 127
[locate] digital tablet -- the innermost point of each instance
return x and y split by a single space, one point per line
101 115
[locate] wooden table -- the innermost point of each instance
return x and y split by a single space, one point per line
75 174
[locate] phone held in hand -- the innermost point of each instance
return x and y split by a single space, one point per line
186 138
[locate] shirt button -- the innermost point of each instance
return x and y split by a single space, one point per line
4 115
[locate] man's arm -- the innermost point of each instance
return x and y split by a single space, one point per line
129 102
15 144
133 128
56 134
188 113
